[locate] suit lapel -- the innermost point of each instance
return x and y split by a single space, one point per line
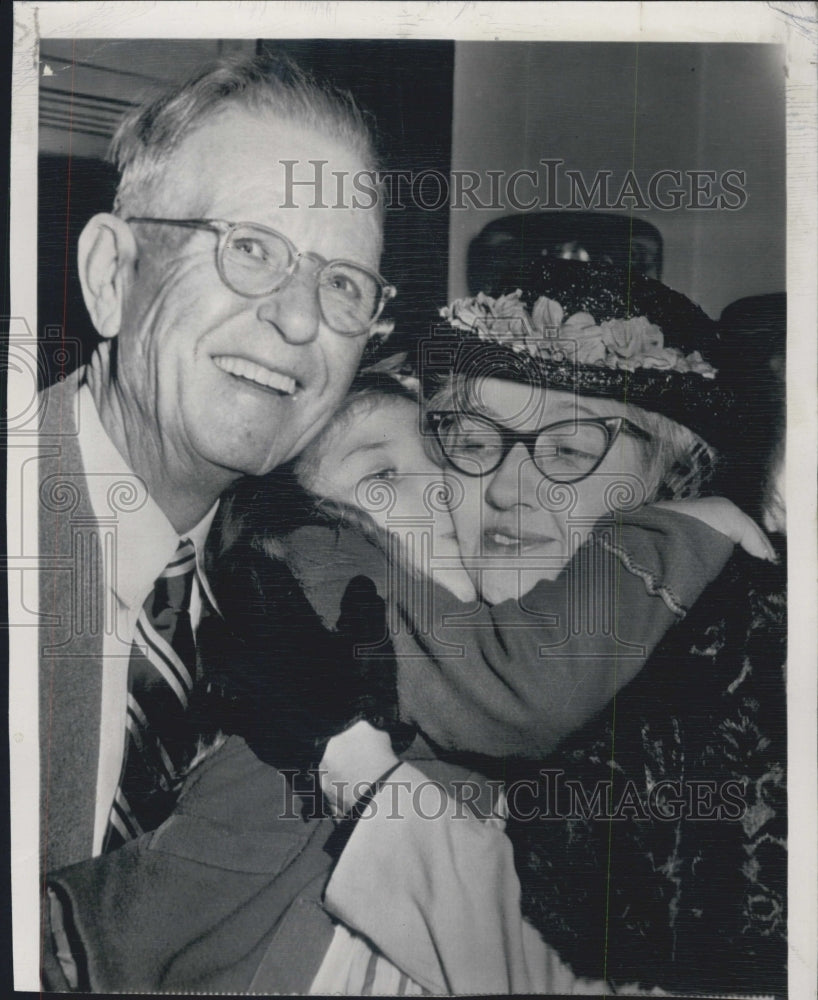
71 588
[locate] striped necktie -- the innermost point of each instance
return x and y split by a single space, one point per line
161 670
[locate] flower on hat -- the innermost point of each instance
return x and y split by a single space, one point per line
503 319
576 337
546 332
629 338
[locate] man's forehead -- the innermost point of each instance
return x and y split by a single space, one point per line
252 165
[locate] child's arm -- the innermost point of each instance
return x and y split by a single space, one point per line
516 678
723 516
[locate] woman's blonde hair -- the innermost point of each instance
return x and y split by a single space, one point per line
680 463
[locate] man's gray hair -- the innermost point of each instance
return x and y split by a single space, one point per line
272 82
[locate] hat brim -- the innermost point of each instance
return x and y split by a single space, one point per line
698 403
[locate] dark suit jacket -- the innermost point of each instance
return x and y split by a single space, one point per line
71 634
224 897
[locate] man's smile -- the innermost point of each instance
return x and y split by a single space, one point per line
279 382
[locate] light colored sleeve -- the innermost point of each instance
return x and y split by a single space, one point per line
434 889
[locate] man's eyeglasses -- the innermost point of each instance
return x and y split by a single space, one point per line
564 452
255 261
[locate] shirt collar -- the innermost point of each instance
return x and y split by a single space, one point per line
145 540
198 535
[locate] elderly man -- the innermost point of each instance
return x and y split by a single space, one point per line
233 313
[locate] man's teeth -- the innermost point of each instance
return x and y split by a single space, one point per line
257 373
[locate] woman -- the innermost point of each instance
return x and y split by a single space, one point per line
676 877
517 449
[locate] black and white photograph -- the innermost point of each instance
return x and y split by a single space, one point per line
399 404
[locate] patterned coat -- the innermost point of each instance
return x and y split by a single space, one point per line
677 875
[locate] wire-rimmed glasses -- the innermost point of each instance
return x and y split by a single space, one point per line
564 452
255 261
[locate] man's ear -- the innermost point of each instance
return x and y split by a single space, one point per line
107 254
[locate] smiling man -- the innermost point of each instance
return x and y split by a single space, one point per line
233 313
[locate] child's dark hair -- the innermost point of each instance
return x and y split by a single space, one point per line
258 509
367 389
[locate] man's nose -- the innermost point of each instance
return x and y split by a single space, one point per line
294 309
515 481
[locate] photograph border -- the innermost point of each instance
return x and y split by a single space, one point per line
790 25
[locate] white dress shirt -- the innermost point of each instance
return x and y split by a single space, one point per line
145 543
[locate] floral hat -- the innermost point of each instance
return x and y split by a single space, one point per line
590 329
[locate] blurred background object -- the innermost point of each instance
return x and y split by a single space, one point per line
752 358
606 111
505 244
